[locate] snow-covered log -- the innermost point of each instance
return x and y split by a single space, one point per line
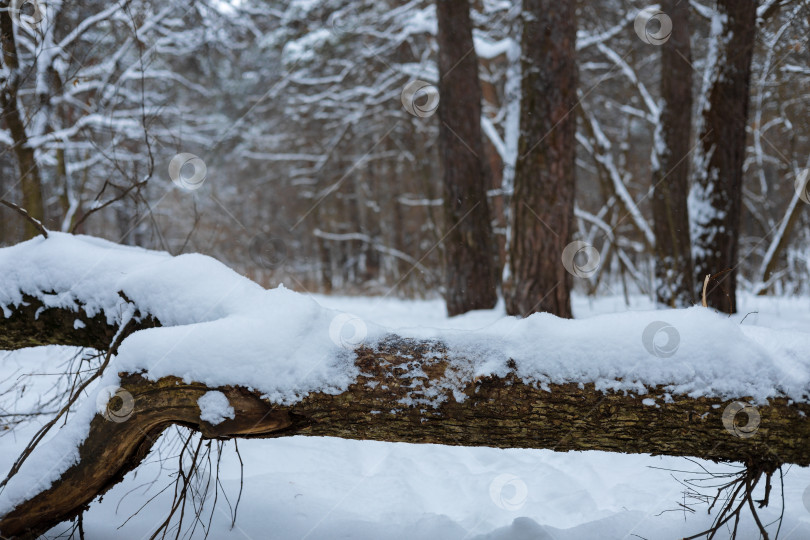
217 353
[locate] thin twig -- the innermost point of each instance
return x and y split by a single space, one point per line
115 199
24 213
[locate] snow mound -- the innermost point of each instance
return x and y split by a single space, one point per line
220 328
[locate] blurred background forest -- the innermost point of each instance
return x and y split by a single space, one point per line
317 176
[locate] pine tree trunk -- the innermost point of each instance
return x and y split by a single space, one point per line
674 269
543 199
471 276
716 199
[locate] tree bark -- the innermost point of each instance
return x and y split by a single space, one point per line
674 269
470 270
30 181
32 324
717 192
543 199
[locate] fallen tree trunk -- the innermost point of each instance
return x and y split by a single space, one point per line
495 411
403 389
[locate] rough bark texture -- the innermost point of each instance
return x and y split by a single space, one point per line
674 270
543 199
496 412
719 179
469 248
30 182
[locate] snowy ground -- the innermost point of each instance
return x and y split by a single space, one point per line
330 488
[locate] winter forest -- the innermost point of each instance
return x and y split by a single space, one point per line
426 269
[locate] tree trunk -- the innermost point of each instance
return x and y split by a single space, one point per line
543 199
716 198
674 270
417 391
471 275
500 411
30 182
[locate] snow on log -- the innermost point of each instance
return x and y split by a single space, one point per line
677 382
